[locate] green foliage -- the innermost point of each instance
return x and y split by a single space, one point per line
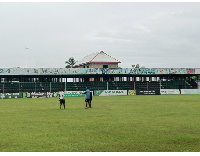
137 66
70 62
119 123
196 78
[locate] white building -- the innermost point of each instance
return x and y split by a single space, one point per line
97 60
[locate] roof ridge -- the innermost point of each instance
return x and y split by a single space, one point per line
98 57
112 57
94 57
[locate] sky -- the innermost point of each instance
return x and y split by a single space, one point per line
151 34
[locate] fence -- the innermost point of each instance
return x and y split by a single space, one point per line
16 87
100 93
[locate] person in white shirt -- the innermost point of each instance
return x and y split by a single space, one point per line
62 99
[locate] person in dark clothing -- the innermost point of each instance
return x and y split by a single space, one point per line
88 97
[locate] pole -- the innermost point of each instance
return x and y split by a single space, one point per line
98 82
66 85
185 83
50 86
160 83
107 85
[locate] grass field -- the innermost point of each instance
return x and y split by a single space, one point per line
117 123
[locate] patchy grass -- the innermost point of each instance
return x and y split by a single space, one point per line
118 123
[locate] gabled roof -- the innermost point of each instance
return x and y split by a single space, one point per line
99 57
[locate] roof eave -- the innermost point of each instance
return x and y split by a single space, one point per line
105 62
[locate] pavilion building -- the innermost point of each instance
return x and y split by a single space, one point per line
97 60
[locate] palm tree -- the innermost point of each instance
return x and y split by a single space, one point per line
137 66
70 62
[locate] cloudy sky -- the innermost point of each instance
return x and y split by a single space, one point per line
154 35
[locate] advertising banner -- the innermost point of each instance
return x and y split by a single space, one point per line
169 91
190 91
75 71
41 95
10 95
148 92
110 92
132 92
73 93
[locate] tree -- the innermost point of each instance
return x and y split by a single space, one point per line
137 66
196 78
70 62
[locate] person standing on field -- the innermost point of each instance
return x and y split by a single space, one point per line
62 99
87 98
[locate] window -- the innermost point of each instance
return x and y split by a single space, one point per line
105 66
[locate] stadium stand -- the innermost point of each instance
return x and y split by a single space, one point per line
98 71
94 85
124 85
178 84
10 87
154 85
192 84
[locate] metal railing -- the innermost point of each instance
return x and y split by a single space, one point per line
17 87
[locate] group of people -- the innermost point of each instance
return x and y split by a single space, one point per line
88 98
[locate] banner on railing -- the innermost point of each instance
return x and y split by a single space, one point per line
169 91
41 95
190 91
148 92
73 93
10 95
75 71
132 92
109 92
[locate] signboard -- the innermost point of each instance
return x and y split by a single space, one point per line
74 93
169 91
190 91
110 92
75 71
132 92
10 95
148 92
41 95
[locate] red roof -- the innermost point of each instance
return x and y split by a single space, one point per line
99 57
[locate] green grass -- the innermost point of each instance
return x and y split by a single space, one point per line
117 123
